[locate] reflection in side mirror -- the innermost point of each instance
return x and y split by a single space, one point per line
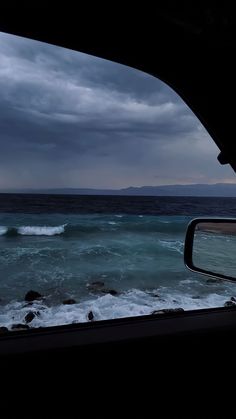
210 247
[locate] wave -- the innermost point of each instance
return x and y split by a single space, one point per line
41 231
123 227
3 230
99 226
32 230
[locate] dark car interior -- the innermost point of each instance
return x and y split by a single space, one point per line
181 362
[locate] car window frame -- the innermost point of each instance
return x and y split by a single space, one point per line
117 330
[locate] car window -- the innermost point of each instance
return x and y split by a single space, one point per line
101 169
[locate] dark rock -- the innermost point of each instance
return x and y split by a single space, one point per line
229 304
173 310
98 286
90 316
95 286
31 315
69 301
153 294
157 312
213 280
19 326
196 297
233 299
3 329
32 295
168 310
107 291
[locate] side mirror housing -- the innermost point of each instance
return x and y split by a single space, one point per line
210 247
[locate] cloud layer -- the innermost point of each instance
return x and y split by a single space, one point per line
68 119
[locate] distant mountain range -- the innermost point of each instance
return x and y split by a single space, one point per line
218 189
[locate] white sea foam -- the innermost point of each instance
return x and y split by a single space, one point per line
189 281
41 231
3 230
131 303
175 245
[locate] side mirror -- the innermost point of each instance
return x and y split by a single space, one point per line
210 247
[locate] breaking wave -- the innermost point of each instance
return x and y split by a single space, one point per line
32 230
41 231
3 230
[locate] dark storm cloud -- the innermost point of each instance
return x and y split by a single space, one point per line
69 119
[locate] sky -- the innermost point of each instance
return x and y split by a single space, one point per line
69 119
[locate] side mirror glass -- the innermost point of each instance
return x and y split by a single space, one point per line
210 247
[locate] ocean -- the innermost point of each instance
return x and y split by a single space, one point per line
101 257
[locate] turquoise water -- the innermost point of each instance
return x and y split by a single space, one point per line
137 259
61 254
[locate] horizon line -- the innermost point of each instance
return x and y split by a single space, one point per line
115 189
